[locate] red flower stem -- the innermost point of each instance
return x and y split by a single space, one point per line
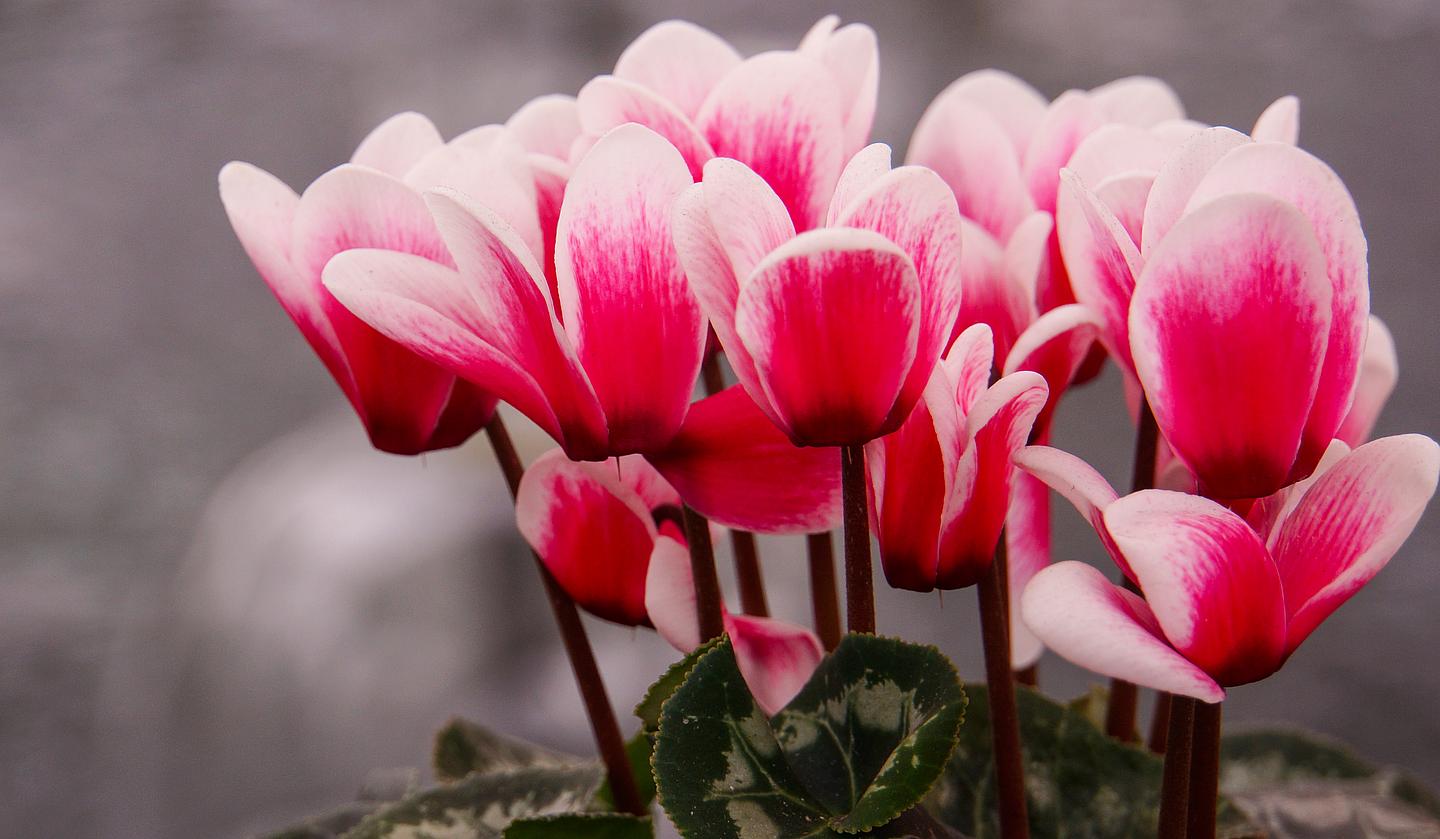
1160 722
1175 783
1204 771
824 595
742 542
859 574
1004 717
603 724
1029 677
1124 697
708 599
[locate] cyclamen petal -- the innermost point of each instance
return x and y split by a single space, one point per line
1027 543
398 143
1231 398
593 532
1138 100
749 219
1055 346
1279 123
606 103
1213 587
1088 620
1068 121
852 56
1077 482
547 125
909 483
627 305
1179 176
670 600
775 658
989 294
1009 100
734 466
1102 262
1349 523
831 320
1379 371
679 61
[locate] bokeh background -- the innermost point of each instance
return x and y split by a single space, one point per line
219 609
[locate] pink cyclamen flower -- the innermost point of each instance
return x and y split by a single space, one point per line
1236 236
940 485
1227 600
606 360
407 403
833 332
609 534
794 117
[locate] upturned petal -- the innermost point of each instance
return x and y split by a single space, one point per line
1279 123
1102 262
1379 371
1213 587
1179 176
398 143
626 304
969 147
1229 392
679 61
1094 623
1077 482
775 658
1138 100
851 54
831 320
606 103
547 125
1054 346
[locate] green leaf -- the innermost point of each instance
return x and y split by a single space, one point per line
649 708
330 825
582 826
859 745
638 750
1080 783
483 804
462 747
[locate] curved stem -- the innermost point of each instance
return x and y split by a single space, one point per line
824 594
708 601
1124 696
1004 717
1160 722
742 542
1204 771
1175 783
859 574
608 740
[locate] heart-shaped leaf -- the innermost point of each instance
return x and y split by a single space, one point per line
650 704
858 746
462 747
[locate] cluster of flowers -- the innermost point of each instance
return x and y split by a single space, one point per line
585 260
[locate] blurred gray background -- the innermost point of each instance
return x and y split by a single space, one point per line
218 609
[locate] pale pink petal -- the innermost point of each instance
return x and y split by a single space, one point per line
831 320
1268 515
1078 482
851 55
781 115
1013 103
670 600
551 176
398 143
913 208
1379 371
679 61
627 306
776 658
968 147
1054 346
998 425
1068 121
749 218
1176 132
1028 257
1230 392
1349 524
969 365
865 168
1279 123
1212 585
547 125
734 466
594 534
1126 196
1091 622
990 295
1027 542
1138 100
496 173
819 32
1312 187
1117 150
607 102
262 211
1102 262
1178 178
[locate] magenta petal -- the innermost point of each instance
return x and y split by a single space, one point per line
831 320
1088 620
1349 523
679 61
593 533
1279 123
1305 182
1379 371
998 426
969 148
607 102
776 658
781 115
398 143
627 306
1078 482
909 483
1054 346
1102 262
1213 587
991 294
1230 392
733 465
